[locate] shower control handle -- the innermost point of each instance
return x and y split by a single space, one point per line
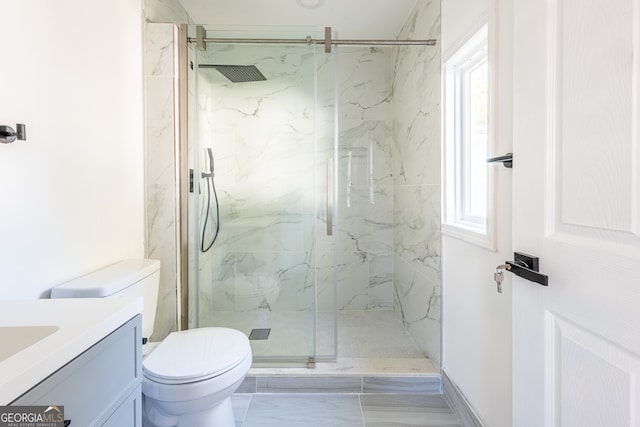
330 197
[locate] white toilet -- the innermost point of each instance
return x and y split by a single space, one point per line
189 377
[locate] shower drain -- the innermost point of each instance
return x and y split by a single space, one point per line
259 334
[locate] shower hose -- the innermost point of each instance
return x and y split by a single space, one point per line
210 185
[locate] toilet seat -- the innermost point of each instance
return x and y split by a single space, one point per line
196 355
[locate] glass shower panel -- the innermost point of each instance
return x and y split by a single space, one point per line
327 205
262 197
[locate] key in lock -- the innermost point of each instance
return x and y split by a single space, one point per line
498 276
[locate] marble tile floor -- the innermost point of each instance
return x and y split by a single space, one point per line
342 410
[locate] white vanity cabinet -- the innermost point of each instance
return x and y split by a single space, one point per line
100 387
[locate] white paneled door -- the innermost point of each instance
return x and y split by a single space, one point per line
576 195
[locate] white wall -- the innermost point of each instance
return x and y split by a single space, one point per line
72 194
477 319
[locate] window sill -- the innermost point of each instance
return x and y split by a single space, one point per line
467 234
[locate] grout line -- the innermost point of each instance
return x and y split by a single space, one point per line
364 423
244 417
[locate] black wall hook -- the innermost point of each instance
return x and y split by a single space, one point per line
8 135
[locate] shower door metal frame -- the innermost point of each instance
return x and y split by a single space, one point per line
183 148
201 41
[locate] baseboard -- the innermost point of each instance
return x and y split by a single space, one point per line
459 404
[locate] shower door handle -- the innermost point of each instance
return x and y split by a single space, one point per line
330 197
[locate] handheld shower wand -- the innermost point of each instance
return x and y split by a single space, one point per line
210 154
209 180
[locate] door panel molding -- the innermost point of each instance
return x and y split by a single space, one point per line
581 362
586 208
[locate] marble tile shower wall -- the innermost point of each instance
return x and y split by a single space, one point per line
365 196
262 138
261 135
160 172
389 192
416 179
166 11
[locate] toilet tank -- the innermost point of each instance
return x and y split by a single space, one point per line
127 278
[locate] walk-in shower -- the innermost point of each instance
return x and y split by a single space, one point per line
306 254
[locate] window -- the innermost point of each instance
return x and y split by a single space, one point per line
466 139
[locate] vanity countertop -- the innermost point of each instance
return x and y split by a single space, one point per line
37 337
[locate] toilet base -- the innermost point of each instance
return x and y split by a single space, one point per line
220 415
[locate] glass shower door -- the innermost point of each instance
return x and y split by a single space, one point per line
265 134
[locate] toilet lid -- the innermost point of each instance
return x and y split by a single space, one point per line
196 354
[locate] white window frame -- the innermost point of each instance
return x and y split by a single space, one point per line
464 56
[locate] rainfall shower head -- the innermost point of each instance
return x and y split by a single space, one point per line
238 73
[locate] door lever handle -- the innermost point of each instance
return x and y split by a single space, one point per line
526 266
506 160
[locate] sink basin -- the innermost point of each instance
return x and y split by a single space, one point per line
14 339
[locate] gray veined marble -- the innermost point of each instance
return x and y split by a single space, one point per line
240 403
416 175
323 384
401 384
160 175
388 410
417 226
261 135
407 410
300 410
159 50
418 299
380 281
166 11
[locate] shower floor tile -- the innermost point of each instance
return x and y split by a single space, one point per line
361 334
369 342
374 334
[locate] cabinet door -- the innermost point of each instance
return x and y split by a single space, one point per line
129 413
94 385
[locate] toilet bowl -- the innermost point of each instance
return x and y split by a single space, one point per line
189 377
197 391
